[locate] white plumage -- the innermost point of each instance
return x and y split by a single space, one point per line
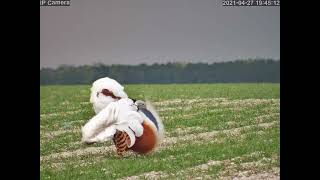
112 114
131 125
99 102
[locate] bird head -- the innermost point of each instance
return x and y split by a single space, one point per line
140 104
104 91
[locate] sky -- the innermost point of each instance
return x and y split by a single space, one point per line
150 31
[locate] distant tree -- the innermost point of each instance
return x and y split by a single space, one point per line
251 70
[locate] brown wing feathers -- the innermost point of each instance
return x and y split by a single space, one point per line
144 144
121 141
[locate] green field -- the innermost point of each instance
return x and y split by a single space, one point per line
213 131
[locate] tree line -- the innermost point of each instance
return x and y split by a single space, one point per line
251 70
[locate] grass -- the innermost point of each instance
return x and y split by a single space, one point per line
226 123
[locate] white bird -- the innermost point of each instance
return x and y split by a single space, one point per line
121 119
114 111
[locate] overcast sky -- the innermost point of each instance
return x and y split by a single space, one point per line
148 31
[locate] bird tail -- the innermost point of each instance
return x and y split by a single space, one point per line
161 131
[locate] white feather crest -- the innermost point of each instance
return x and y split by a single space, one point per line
100 102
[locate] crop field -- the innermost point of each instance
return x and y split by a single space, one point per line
213 131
